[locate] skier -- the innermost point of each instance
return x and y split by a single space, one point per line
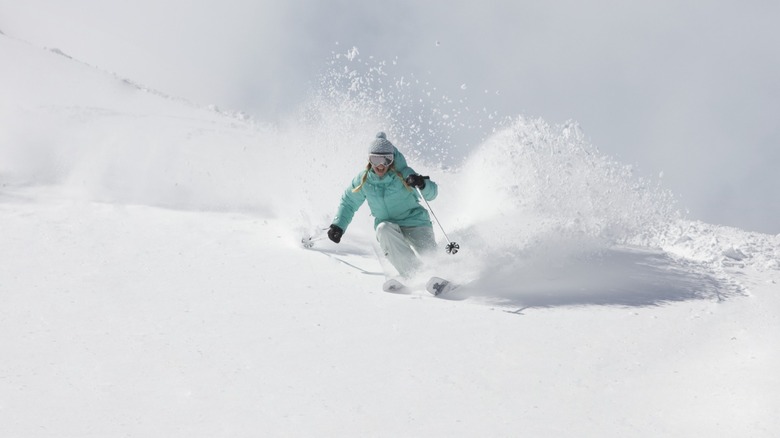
402 225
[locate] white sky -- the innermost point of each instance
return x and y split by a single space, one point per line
687 88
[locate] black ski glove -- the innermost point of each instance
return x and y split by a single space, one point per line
415 180
335 232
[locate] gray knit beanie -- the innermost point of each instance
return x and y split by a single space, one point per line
381 145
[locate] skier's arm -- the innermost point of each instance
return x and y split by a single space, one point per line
350 203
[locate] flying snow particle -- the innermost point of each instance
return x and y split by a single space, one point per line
463 86
353 53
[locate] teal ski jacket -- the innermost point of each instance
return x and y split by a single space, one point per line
388 198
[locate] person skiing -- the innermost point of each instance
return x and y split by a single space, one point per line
403 227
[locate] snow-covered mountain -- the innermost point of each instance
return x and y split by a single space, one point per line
154 283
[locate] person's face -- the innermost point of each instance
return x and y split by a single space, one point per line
380 164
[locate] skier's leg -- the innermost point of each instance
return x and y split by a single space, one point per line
396 248
421 239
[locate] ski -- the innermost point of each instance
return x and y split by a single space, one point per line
394 286
437 286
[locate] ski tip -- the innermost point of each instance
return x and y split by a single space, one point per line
437 286
394 286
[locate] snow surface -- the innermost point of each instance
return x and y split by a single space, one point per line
153 282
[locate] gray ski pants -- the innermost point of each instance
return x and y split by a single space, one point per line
400 243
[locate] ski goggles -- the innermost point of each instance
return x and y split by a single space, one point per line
380 160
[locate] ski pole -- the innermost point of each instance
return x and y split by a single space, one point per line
452 247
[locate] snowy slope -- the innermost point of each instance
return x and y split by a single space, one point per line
153 282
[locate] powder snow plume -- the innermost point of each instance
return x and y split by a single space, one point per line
521 195
527 183
532 179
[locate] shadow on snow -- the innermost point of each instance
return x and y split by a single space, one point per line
609 277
